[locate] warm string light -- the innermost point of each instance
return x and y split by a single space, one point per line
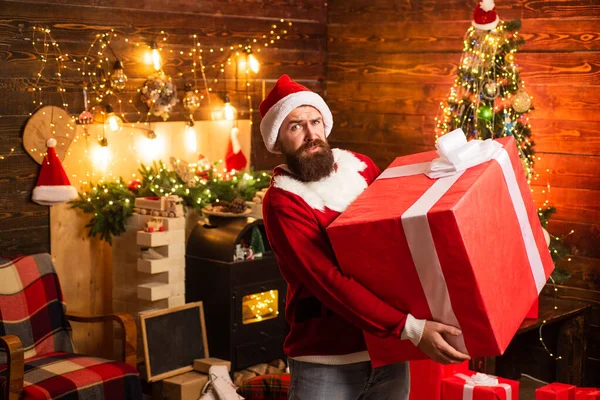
555 291
101 82
260 306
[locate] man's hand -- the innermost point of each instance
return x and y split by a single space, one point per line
435 347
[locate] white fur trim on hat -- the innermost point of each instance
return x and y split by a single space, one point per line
270 124
488 26
51 195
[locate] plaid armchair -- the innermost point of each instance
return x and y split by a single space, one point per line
37 360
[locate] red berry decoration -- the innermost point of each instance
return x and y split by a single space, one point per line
134 185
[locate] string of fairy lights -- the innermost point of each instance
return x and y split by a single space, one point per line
488 100
100 75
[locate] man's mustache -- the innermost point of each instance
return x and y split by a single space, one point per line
311 144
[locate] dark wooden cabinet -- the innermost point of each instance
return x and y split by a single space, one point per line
225 286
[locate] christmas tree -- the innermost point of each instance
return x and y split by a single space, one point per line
488 98
256 243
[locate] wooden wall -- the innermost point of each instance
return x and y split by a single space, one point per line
24 225
391 63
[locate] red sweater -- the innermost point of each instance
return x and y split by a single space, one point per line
326 309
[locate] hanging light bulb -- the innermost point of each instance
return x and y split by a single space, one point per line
229 110
118 79
190 101
112 122
190 137
101 155
153 56
253 62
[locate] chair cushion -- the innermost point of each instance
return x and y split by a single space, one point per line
266 387
32 307
71 376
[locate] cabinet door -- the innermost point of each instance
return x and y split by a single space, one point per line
259 311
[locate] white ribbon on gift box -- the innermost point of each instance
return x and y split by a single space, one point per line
480 379
456 155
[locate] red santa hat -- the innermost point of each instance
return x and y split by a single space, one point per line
484 16
53 186
234 157
285 96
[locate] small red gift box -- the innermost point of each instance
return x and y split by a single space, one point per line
426 378
439 250
555 391
587 394
478 386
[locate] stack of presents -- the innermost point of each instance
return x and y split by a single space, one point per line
433 381
461 243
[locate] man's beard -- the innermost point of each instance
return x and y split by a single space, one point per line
310 167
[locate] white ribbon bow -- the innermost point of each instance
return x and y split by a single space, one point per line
456 154
480 379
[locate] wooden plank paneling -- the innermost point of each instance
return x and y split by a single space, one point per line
447 36
383 11
577 205
584 239
274 9
568 171
585 272
581 69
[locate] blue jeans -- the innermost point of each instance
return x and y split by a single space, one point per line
357 381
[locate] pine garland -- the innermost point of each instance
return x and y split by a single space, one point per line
112 203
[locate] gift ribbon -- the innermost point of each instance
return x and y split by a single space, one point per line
418 233
479 379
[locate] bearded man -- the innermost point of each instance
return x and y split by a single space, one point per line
328 311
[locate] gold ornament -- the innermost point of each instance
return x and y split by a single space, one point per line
521 102
191 101
510 58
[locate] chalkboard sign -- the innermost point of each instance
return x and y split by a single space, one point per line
173 338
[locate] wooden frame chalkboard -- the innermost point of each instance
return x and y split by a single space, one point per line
173 338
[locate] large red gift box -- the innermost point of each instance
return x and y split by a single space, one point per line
587 394
472 386
534 311
426 378
466 250
555 391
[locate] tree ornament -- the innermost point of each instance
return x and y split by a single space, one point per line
510 58
484 16
159 94
134 185
203 167
490 89
485 113
190 101
521 102
508 125
118 79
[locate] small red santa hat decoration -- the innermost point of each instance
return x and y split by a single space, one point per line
53 186
484 16
234 157
285 96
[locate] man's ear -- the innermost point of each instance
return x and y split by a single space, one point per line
276 146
